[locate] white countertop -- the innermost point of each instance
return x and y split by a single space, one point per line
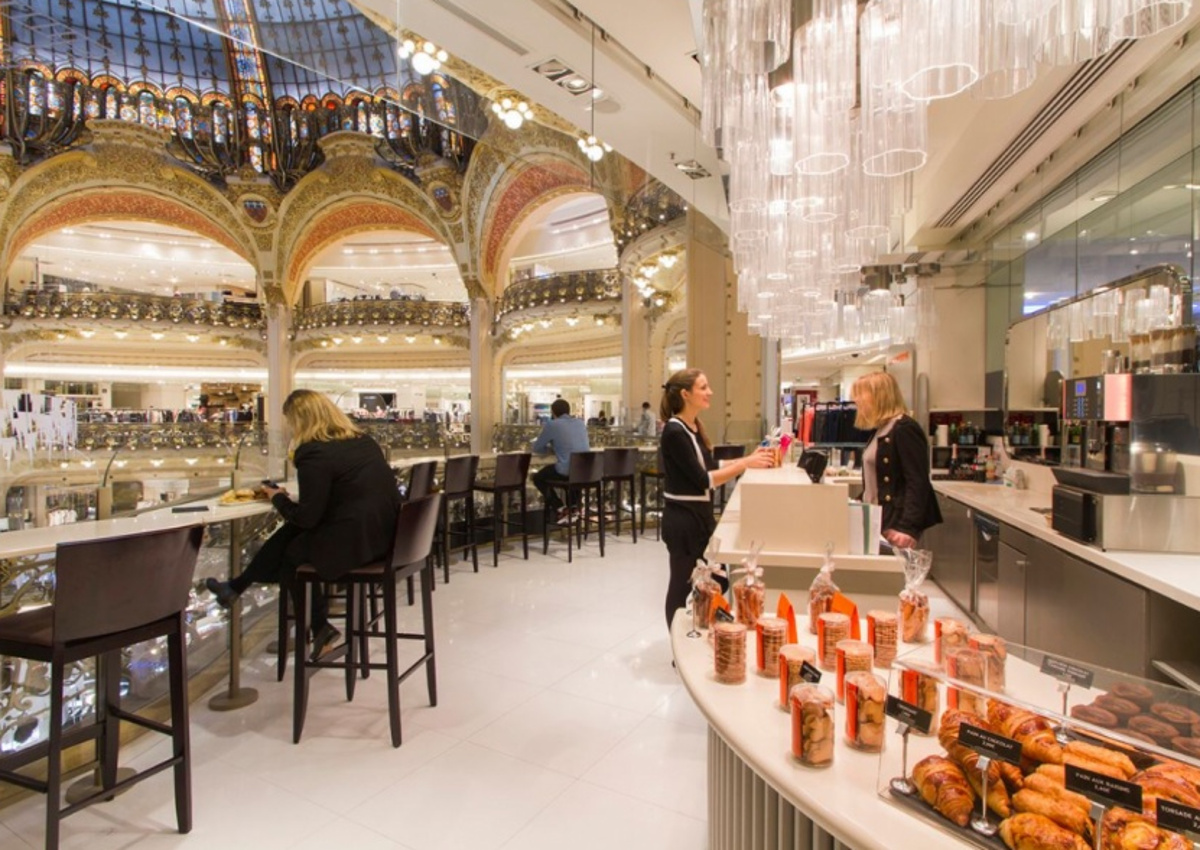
14 544
1172 575
843 798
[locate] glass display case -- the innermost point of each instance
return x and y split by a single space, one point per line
28 582
1058 749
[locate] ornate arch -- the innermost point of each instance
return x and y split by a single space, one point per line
350 192
524 189
349 216
125 175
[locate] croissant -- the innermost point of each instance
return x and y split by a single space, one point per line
1091 752
997 792
1179 773
1014 780
1101 767
1028 831
1123 830
1062 813
1043 784
943 786
1032 730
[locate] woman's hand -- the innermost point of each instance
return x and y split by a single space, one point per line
271 491
762 458
899 539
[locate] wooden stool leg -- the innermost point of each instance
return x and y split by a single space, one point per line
471 533
108 701
427 622
364 641
353 624
393 661
54 757
524 523
281 637
499 518
300 691
180 737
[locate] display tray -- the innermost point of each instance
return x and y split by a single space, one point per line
915 805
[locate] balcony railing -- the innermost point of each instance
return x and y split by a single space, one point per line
134 308
392 313
597 286
131 437
517 438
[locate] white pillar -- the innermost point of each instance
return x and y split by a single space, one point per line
486 394
279 384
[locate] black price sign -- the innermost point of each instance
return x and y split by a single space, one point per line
989 743
1073 673
1104 789
1177 817
908 714
810 673
723 615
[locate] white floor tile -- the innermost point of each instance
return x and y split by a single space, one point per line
562 732
659 762
470 797
587 817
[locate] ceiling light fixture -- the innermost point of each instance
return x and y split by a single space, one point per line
424 59
512 114
592 147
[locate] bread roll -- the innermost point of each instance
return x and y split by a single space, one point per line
1028 831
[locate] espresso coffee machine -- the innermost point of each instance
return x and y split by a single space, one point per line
1137 481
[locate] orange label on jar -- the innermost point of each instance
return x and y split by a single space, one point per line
785 610
841 674
820 640
871 630
909 679
758 641
952 672
843 605
851 711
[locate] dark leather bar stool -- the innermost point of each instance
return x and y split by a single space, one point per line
657 477
720 453
411 548
109 594
620 466
458 485
420 479
512 472
585 477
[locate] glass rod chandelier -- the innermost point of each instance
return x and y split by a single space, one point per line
823 124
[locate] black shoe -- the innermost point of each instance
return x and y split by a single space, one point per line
323 642
225 594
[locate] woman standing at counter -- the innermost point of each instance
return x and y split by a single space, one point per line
895 462
345 516
689 476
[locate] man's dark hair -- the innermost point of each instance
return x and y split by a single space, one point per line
560 407
645 405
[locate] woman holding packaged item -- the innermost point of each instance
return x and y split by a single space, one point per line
689 476
895 461
344 517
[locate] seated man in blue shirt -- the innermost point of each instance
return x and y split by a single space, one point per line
563 434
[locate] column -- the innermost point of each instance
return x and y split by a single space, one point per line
487 395
637 376
279 383
719 342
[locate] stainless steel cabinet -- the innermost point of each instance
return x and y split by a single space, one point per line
953 557
1079 610
1013 569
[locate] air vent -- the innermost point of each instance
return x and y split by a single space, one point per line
1075 88
693 169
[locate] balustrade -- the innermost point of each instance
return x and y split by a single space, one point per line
391 313
133 307
596 286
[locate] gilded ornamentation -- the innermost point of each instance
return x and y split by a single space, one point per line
133 308
557 293
392 313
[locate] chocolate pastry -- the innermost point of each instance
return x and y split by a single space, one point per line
1187 746
1179 716
1161 731
1123 708
1096 716
1133 692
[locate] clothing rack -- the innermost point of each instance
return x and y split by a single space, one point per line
830 423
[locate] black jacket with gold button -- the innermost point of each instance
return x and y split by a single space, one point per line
902 479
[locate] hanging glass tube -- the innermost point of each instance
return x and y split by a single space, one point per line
1071 31
894 125
1006 63
760 34
1144 18
941 47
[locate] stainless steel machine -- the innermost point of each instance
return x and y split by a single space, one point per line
1137 485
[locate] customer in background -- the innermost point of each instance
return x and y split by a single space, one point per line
647 425
345 517
563 434
895 461
689 476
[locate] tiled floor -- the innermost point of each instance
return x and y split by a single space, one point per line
560 723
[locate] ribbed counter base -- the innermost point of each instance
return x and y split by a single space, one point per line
746 813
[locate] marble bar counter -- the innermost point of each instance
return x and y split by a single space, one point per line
1172 575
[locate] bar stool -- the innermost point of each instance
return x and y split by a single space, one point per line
413 543
109 594
720 453
656 476
458 485
512 470
420 479
585 476
620 465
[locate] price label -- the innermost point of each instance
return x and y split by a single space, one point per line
723 616
810 673
1177 817
1073 673
908 714
1104 789
989 743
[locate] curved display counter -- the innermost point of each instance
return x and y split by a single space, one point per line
759 797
